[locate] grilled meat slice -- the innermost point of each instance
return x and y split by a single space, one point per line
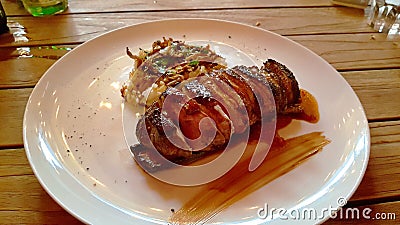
175 75
233 98
174 129
283 85
156 130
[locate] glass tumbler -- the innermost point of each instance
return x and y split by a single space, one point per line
45 7
384 16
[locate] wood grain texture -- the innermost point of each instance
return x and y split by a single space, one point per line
12 8
340 50
37 217
354 51
376 90
14 189
37 60
77 28
22 199
382 177
361 50
14 163
23 66
11 114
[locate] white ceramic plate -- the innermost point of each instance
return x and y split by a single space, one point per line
73 131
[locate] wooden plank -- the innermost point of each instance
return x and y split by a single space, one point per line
38 217
373 214
32 62
371 87
336 49
22 199
13 162
382 177
23 66
11 113
343 51
354 51
77 28
24 193
12 8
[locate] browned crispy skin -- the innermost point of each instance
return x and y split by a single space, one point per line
200 97
284 86
185 121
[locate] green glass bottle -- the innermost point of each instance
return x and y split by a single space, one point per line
45 7
3 20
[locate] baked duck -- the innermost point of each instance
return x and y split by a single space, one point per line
195 103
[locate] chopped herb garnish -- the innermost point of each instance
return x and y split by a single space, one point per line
194 63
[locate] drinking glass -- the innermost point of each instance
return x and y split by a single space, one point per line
384 16
45 7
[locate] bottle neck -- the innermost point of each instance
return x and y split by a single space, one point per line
3 20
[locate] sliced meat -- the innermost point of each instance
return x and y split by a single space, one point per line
234 99
284 86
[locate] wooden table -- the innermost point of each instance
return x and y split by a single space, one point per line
366 59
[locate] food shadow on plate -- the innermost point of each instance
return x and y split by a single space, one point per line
184 193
